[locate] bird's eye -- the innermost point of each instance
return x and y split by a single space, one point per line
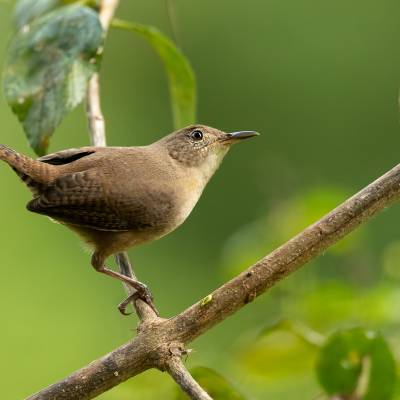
197 135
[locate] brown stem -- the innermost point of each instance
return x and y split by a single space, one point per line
143 310
145 313
182 377
97 126
151 347
97 131
106 12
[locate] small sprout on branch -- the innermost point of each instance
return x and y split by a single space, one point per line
206 300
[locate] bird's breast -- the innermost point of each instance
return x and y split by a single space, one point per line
189 194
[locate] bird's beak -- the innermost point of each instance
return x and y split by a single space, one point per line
235 137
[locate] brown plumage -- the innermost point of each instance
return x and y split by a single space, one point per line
118 197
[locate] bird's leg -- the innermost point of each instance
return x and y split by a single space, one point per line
142 291
125 268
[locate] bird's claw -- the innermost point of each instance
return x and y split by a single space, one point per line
143 293
122 306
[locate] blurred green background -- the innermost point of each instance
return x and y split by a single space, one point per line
320 81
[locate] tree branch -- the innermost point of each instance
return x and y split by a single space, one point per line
151 347
183 378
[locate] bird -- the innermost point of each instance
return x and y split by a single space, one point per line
116 198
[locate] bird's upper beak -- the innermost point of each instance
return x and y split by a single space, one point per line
235 137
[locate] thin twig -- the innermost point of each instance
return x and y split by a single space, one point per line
150 348
143 310
97 126
183 378
145 313
303 332
96 121
97 130
106 12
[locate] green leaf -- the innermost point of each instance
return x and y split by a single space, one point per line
214 384
285 220
277 357
48 65
357 361
181 78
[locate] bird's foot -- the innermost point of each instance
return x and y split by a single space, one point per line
143 293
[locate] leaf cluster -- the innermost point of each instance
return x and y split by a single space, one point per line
56 48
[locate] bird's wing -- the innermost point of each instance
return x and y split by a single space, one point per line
80 199
67 156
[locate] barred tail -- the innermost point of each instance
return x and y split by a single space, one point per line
34 173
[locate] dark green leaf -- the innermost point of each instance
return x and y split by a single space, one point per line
357 361
181 79
214 384
48 65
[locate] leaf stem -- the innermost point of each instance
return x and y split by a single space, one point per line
181 78
302 331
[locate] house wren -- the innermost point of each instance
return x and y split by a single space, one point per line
119 197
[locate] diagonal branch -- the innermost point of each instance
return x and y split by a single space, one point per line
154 344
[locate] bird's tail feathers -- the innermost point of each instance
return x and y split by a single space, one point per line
34 173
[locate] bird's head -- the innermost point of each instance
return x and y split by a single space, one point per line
202 147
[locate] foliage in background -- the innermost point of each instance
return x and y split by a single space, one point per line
358 363
350 287
54 52
181 78
50 61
